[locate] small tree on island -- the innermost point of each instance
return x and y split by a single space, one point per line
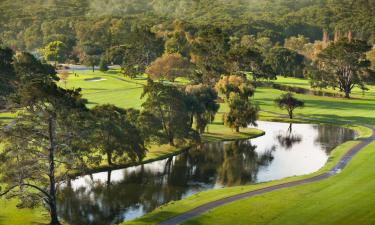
242 113
289 102
342 65
237 91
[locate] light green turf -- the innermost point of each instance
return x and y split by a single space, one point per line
346 199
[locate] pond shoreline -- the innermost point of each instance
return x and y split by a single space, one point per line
176 152
202 198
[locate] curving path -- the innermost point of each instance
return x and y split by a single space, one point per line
208 206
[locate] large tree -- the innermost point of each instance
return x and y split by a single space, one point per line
168 103
242 59
56 51
202 104
45 140
169 67
286 62
343 65
115 136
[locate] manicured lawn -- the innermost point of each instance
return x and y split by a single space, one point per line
347 198
125 92
336 110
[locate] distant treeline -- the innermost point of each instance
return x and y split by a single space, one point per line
31 25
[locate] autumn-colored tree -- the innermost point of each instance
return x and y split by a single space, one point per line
169 67
64 76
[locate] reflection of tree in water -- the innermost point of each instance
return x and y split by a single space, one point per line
107 202
288 139
331 136
241 163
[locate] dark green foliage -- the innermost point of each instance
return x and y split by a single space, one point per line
169 104
115 136
289 102
7 75
286 62
202 105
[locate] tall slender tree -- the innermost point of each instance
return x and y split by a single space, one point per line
45 140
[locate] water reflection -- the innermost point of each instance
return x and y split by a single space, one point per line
288 139
114 196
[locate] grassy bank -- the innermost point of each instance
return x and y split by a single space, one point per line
345 199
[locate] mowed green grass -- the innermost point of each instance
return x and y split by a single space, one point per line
127 94
346 199
114 88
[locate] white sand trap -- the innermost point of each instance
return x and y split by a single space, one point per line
95 79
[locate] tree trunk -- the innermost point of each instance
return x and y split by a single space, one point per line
290 112
93 68
109 177
109 158
51 159
347 94
237 129
171 140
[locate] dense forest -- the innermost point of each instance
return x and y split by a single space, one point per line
32 24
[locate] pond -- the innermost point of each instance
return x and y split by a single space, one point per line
120 195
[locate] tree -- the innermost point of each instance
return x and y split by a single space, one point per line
115 136
242 112
140 49
7 75
168 103
47 138
203 105
289 102
169 67
243 60
286 62
371 57
235 84
64 76
55 51
208 52
296 43
91 55
343 65
103 64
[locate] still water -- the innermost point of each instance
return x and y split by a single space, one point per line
116 196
